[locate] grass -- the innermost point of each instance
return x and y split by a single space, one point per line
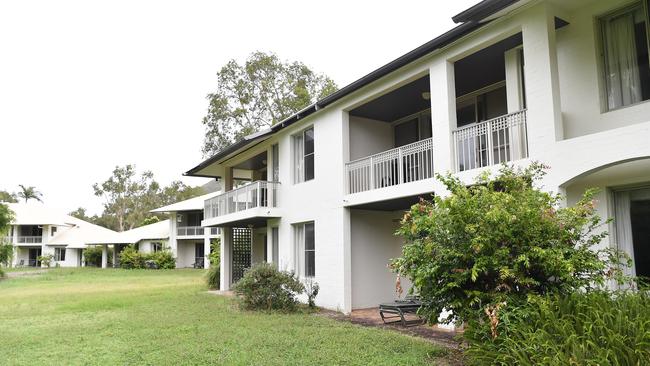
138 317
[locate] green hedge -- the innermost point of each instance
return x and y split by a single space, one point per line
596 328
130 258
263 287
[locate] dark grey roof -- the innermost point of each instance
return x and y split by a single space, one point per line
473 16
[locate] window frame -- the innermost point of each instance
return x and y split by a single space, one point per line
299 166
300 249
154 245
600 50
59 254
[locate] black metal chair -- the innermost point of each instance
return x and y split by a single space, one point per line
398 311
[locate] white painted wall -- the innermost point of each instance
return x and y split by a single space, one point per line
185 257
369 136
373 246
581 86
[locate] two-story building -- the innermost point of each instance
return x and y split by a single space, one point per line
566 83
188 240
39 231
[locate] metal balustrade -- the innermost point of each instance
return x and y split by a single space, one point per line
190 230
408 163
30 239
491 142
252 195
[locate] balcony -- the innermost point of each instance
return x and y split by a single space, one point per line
405 164
195 231
246 205
30 239
491 142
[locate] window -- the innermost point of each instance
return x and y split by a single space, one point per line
624 37
482 105
59 254
412 129
156 246
53 230
305 246
303 149
275 244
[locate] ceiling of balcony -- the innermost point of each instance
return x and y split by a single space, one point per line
399 103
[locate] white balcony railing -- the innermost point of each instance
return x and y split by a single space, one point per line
491 142
30 239
252 195
190 230
408 163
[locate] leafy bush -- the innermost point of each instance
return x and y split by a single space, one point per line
6 254
595 328
130 258
499 241
45 260
311 290
213 277
163 259
93 256
263 287
215 252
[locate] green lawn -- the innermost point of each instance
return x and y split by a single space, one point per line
118 317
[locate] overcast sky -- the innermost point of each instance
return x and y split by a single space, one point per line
88 85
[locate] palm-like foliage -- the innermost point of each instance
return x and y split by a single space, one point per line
28 193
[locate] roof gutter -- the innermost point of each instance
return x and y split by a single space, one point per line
482 10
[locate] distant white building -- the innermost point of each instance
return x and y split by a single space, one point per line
188 240
38 231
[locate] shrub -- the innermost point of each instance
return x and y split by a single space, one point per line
263 287
45 260
215 252
597 328
311 290
498 242
130 258
6 254
163 259
213 277
93 256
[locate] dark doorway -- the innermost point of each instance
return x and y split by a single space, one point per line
34 253
199 254
640 219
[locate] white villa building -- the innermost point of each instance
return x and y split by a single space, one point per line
188 240
566 83
38 231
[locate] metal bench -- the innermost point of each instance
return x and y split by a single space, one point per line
397 311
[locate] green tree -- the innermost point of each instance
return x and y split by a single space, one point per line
128 196
498 242
28 193
80 213
150 220
6 249
255 95
178 191
8 197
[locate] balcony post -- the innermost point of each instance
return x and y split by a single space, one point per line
259 193
372 173
400 167
443 118
489 143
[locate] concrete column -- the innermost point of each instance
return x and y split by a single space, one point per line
226 259
81 257
173 242
514 93
115 250
443 118
206 249
347 262
544 116
104 256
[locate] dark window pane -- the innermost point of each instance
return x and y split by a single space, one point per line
406 133
310 265
465 115
309 141
309 167
309 237
425 127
